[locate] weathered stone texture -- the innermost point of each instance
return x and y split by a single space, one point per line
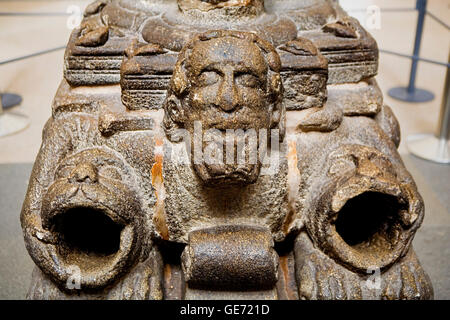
233 149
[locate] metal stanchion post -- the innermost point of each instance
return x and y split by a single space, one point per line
428 146
10 100
411 93
11 122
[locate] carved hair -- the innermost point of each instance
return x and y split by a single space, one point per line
180 83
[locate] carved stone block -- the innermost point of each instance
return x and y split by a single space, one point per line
232 149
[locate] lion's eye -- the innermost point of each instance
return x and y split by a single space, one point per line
64 171
247 80
208 78
110 172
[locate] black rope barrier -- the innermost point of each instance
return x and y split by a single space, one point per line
416 58
34 14
438 20
35 54
411 93
384 10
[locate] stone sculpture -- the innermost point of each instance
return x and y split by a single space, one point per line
232 149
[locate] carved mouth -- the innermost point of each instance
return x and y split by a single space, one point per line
368 229
94 239
227 174
369 221
87 232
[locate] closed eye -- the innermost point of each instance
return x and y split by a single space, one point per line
64 171
247 80
208 78
110 172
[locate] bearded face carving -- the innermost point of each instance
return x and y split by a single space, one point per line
227 84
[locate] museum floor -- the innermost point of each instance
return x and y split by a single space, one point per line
37 79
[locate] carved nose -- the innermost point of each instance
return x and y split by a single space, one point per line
368 168
84 173
228 97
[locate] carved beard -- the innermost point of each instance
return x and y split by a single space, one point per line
227 158
221 3
244 7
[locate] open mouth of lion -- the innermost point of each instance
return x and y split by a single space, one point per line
88 237
367 230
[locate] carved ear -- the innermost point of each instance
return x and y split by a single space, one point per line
278 109
179 80
275 86
173 116
274 61
279 118
174 109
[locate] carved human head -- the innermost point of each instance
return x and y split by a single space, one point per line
225 80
